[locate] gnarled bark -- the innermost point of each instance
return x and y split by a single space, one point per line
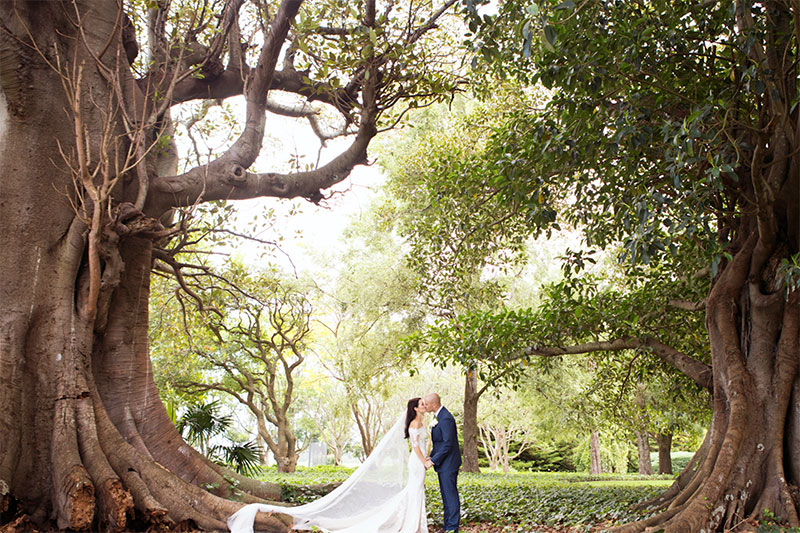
85 442
740 471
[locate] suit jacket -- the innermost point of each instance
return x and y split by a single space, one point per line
445 454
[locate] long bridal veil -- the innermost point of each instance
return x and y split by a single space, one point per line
381 477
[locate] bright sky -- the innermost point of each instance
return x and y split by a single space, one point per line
306 229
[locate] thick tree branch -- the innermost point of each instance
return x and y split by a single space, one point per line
224 179
687 305
230 83
698 371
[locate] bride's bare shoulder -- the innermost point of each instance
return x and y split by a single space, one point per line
416 424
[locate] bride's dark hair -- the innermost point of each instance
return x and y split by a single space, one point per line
411 414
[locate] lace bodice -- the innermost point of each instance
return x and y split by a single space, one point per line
417 437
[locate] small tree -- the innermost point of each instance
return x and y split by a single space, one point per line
503 422
328 414
250 342
368 307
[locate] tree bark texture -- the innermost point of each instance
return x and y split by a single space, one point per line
664 453
643 452
596 466
471 395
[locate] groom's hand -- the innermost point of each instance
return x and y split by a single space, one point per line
428 463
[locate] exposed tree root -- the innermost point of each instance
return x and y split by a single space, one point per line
73 487
18 525
114 502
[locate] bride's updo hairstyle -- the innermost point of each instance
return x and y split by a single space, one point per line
411 412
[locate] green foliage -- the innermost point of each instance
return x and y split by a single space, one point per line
614 454
202 423
364 307
789 274
547 457
245 457
444 204
482 340
770 523
623 110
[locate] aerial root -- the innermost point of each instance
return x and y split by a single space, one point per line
647 523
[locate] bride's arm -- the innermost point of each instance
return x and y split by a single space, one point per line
417 449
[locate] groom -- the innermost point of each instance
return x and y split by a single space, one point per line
445 459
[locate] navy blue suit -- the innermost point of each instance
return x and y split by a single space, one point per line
446 457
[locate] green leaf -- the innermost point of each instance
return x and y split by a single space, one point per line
550 37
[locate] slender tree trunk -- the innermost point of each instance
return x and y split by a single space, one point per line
337 455
504 444
471 396
262 446
365 422
596 467
642 435
664 453
643 449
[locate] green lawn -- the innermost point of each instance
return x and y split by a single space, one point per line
524 499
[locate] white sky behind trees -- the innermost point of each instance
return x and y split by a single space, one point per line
307 230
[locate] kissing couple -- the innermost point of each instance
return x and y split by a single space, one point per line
386 494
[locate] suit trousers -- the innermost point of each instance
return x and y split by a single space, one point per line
448 485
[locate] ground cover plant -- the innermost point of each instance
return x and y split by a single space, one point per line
524 499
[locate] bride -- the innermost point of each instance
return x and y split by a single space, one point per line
386 494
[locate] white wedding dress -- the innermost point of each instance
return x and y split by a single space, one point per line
386 494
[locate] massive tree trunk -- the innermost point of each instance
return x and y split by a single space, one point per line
664 453
84 439
750 459
470 428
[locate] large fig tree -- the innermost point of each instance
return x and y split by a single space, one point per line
673 130
89 189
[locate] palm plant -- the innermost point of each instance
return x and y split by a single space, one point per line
202 422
